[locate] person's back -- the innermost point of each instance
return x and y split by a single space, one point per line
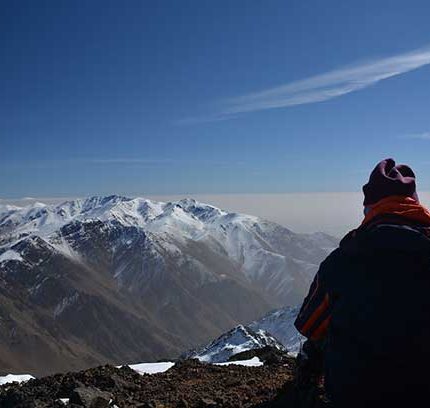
370 301
379 338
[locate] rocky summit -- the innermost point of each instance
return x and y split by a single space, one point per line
188 384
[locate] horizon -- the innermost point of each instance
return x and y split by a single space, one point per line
204 98
299 212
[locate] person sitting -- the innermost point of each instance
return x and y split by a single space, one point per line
369 303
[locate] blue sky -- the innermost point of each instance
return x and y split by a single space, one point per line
188 97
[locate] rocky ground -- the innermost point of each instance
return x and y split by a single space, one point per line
188 384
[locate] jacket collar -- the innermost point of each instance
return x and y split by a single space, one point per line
388 233
399 206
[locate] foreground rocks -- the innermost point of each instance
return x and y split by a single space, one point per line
188 384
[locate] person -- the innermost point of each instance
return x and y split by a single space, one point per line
368 307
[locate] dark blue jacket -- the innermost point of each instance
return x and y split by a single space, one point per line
370 301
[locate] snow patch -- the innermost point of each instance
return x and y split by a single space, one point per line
151 368
19 378
253 362
10 255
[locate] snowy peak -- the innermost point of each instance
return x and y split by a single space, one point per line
203 212
103 202
235 341
276 329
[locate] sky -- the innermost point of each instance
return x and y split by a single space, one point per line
210 97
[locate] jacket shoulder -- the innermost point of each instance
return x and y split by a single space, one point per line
337 256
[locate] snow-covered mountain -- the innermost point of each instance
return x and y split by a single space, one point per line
278 260
235 341
130 279
275 329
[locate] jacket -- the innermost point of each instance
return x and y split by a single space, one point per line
370 302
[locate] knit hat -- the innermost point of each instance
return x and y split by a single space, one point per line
387 179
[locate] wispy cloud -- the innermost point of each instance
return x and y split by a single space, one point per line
418 136
321 87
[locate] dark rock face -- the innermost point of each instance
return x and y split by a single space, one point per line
269 355
90 397
189 384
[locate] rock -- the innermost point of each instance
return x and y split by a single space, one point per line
189 384
90 397
120 383
208 403
153 404
183 404
269 355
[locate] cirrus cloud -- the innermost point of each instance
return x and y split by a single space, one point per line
319 88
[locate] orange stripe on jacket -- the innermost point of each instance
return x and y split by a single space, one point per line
399 205
314 292
315 315
321 331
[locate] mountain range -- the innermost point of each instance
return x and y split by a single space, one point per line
118 279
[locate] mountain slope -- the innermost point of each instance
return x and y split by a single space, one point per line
116 279
280 324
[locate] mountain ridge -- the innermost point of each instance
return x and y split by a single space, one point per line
113 279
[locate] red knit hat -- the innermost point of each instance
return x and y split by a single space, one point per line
387 179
